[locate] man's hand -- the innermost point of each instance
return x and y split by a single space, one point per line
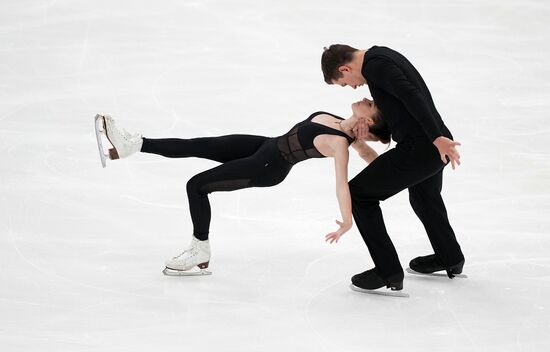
361 129
362 133
446 148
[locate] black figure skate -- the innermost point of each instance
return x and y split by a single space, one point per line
369 282
429 265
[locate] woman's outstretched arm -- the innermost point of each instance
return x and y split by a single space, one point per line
365 151
341 157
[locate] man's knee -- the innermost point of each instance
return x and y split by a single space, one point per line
413 198
356 188
362 191
361 198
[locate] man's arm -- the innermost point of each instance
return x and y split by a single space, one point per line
386 75
389 77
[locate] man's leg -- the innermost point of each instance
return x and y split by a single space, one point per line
390 173
371 185
425 199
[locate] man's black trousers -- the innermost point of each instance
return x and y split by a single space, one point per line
414 164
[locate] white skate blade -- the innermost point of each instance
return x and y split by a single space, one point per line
380 293
411 271
172 272
99 130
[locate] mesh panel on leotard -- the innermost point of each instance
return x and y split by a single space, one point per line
297 145
291 149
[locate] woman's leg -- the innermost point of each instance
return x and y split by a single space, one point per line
263 169
221 149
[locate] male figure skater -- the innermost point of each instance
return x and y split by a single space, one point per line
424 147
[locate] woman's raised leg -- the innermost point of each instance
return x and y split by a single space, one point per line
221 149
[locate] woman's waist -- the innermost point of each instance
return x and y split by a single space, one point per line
270 150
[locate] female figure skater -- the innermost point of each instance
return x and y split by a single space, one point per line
251 161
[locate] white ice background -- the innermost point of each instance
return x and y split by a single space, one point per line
82 248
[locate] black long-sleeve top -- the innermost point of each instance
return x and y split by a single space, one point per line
402 96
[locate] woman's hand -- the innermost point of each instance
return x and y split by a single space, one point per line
335 236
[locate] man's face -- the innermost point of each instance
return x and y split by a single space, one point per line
351 78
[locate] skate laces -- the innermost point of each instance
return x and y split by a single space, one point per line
191 250
129 135
123 133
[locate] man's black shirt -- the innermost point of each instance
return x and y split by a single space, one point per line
401 95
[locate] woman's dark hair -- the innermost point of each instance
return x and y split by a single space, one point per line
380 128
334 57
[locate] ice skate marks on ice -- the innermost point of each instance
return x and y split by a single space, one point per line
391 293
411 271
100 130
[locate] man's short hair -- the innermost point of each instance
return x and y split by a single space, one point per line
334 57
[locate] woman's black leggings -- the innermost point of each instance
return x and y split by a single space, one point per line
247 161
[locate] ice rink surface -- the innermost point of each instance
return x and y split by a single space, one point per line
82 248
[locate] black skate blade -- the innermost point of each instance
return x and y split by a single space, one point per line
380 293
171 272
99 123
411 271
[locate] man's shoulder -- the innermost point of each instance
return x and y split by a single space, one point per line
378 57
377 52
373 61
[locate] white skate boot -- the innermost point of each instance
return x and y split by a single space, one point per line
123 143
197 255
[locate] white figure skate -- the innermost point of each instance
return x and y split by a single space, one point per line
197 255
123 143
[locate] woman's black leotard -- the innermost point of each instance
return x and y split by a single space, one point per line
247 161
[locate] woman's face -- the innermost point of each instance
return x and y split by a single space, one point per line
364 108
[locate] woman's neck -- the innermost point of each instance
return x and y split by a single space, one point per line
348 124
